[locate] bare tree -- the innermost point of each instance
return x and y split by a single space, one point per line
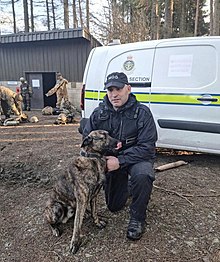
87 14
154 20
53 14
26 16
80 13
168 24
211 17
32 15
183 18
115 18
48 15
216 21
14 16
66 13
75 20
197 18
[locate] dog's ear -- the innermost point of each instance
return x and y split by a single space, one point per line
86 141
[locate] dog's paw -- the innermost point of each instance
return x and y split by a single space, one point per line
74 247
101 224
56 232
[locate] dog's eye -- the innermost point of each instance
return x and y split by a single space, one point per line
98 138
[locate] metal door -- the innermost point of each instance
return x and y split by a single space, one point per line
36 82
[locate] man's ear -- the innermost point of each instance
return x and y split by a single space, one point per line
129 88
86 141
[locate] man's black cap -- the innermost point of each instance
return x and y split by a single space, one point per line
116 79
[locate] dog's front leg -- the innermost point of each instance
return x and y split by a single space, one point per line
99 223
55 230
79 215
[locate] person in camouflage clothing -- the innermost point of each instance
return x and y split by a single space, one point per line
26 93
10 101
60 89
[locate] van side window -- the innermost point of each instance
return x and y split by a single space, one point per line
185 66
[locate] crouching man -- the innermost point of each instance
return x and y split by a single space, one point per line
10 102
131 123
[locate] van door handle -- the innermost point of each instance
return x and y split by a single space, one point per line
205 99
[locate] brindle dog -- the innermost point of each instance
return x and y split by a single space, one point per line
79 186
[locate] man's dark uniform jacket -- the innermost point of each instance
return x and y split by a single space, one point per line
132 124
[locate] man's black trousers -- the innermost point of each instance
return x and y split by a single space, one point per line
140 178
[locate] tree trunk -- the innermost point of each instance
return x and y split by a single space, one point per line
87 14
216 17
66 14
183 18
211 17
14 16
53 14
154 21
32 15
75 20
26 16
48 15
196 19
80 13
115 34
168 25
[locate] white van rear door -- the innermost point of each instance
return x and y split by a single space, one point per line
94 79
185 98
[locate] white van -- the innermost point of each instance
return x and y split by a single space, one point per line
178 79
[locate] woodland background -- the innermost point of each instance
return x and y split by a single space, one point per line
127 20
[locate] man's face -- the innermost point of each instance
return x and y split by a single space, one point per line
118 96
59 77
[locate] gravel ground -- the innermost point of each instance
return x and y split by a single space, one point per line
183 214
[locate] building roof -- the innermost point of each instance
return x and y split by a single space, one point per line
47 35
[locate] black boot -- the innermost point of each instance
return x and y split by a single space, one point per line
135 229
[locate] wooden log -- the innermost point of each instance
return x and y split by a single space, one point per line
170 165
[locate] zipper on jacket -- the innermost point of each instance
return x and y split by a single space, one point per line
120 130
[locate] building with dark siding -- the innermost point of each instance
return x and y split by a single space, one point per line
39 55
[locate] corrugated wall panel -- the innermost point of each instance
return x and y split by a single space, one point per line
67 56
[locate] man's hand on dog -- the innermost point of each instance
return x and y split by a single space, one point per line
119 145
112 162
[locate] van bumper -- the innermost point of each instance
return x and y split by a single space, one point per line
82 124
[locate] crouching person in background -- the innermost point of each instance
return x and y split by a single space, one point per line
10 102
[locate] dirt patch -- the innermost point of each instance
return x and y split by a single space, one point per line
183 216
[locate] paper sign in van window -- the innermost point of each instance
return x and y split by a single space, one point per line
180 65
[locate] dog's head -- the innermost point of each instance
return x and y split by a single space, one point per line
99 141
